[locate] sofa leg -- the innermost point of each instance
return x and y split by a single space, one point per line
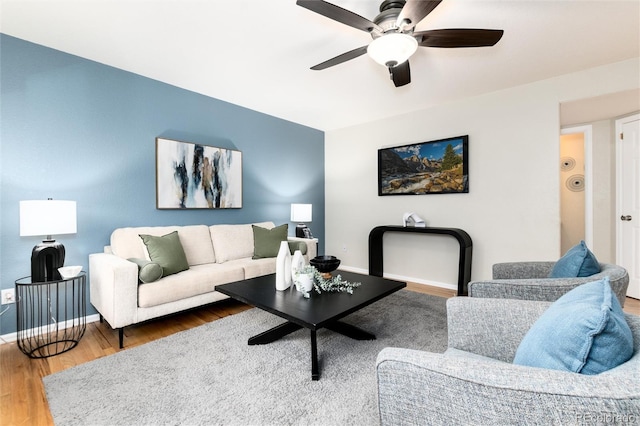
101 318
121 337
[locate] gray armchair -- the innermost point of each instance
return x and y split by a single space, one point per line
529 281
474 382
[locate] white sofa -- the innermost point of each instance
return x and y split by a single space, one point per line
216 255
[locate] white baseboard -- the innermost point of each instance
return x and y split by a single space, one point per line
403 278
12 337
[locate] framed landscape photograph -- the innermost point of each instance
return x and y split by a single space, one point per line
193 176
434 167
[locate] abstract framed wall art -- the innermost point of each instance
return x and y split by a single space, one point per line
434 167
194 176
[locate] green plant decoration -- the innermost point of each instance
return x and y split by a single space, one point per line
320 284
335 284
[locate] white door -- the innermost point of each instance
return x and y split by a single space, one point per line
628 200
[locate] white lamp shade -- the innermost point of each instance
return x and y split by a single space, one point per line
392 49
301 212
47 217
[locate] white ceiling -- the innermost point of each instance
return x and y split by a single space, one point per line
257 53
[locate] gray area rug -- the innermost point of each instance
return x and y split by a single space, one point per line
209 375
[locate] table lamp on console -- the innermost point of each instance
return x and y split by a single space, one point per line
301 213
47 217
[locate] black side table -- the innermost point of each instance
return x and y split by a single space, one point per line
51 315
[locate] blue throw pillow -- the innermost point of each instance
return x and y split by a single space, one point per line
584 331
578 261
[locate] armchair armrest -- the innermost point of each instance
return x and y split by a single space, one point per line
113 287
543 289
530 281
492 328
519 270
416 387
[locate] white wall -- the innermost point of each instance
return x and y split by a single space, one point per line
604 194
512 209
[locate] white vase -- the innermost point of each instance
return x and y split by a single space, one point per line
283 267
297 263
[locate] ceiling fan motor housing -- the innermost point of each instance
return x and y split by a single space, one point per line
387 19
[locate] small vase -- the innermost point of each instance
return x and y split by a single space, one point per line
283 267
305 282
297 263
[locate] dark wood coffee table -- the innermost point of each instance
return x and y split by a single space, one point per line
319 311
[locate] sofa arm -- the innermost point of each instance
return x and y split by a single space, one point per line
113 287
416 387
312 246
490 327
519 270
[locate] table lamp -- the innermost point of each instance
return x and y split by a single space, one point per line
47 217
301 213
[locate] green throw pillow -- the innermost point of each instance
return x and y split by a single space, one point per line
167 251
148 272
266 242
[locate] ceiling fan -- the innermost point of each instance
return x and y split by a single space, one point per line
394 39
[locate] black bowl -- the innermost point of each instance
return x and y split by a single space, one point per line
325 264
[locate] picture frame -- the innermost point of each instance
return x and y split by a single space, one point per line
196 176
434 167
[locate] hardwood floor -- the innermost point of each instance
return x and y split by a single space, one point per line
22 396
632 306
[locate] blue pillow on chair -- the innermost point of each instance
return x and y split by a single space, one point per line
578 261
584 331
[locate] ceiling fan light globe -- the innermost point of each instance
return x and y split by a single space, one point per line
392 48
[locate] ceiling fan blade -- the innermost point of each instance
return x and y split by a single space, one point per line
415 11
339 14
458 37
400 74
341 58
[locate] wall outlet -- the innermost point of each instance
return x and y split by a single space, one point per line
8 296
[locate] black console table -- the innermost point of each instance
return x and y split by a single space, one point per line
466 246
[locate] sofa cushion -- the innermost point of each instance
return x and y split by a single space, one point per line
584 331
267 241
196 242
255 267
197 280
166 251
195 239
148 271
232 242
578 261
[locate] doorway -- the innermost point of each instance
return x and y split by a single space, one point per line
628 200
576 220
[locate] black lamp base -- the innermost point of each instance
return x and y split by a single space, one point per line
46 258
302 231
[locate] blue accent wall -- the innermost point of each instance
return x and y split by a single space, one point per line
74 129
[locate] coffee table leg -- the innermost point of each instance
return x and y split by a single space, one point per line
350 331
315 374
282 330
274 334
